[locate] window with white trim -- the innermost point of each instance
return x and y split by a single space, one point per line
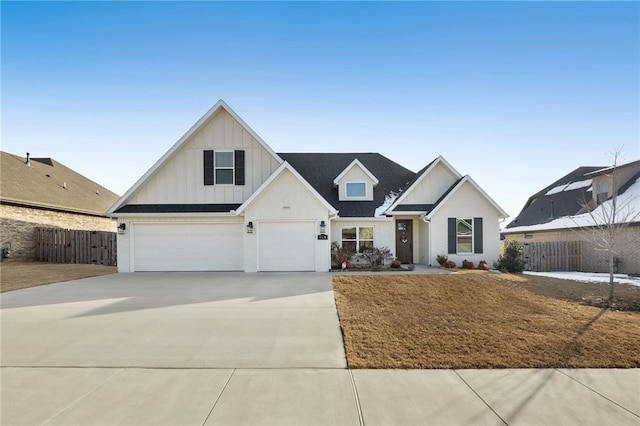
464 235
356 189
357 238
224 167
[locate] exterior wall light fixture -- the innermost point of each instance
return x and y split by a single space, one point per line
250 228
121 228
323 227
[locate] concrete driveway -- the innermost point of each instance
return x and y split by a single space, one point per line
208 349
175 320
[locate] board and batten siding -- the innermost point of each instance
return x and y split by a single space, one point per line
466 202
431 187
181 179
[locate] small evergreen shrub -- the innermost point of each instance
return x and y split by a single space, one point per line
513 259
441 258
483 265
466 264
449 264
396 264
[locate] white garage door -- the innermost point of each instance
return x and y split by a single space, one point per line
188 247
287 246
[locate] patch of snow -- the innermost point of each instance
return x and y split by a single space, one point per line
569 187
556 189
389 199
628 207
589 277
578 185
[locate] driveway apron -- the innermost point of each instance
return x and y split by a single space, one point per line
175 320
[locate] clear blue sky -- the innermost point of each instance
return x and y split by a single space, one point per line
515 94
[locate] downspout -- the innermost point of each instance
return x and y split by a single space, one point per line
428 222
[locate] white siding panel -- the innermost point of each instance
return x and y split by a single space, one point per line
431 188
187 247
287 246
180 180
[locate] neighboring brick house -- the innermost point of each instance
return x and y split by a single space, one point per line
41 192
558 213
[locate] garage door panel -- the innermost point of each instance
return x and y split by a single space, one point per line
287 246
188 247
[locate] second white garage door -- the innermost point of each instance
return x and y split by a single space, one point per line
287 246
188 247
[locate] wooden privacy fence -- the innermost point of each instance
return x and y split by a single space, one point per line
553 256
74 246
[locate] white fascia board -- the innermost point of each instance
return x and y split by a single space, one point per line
363 219
467 178
437 161
284 166
180 215
200 123
354 163
407 213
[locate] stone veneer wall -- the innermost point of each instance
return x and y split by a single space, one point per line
17 226
595 260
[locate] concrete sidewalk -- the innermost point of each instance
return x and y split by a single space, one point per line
133 396
251 349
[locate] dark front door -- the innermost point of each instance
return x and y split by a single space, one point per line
404 241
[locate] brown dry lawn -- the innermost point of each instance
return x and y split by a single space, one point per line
17 275
482 320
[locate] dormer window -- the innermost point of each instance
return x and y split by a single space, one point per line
356 189
355 183
602 191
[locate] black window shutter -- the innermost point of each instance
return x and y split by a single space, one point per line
452 235
239 165
477 235
208 167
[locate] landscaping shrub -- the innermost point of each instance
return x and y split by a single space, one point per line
396 264
441 258
340 254
450 264
466 264
513 259
375 256
483 265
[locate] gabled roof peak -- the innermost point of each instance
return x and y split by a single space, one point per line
356 163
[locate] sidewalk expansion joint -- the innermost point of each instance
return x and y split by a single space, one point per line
356 397
596 392
219 396
80 398
481 398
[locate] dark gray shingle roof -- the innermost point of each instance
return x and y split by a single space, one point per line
320 169
542 208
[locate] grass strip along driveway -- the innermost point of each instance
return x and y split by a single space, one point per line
477 320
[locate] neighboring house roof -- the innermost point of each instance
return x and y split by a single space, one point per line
320 170
561 204
46 183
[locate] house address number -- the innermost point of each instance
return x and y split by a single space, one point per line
323 237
